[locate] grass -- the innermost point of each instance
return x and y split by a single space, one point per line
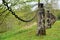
30 34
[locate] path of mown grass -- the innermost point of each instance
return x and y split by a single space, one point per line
30 34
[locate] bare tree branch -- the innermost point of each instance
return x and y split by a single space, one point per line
13 13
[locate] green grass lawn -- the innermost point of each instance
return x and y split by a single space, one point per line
30 34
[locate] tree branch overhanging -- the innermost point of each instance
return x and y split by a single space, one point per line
13 13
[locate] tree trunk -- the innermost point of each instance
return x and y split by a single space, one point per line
41 20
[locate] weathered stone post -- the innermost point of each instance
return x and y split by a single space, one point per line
41 20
